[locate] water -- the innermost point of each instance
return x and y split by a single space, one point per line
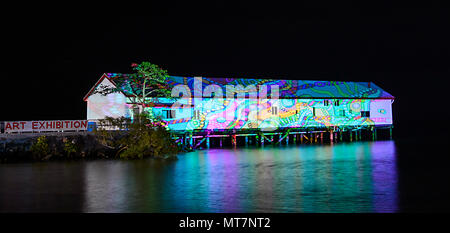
346 177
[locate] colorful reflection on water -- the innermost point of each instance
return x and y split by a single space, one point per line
347 177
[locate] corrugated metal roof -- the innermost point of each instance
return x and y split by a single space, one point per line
287 88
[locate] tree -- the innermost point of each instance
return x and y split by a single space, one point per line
141 139
143 88
40 148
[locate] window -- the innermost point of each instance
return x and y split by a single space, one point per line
274 110
314 111
168 114
365 113
336 103
326 102
196 114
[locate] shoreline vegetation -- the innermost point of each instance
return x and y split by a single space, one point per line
115 138
143 137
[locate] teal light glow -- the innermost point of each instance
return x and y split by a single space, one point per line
290 113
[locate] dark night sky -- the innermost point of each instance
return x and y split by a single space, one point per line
53 59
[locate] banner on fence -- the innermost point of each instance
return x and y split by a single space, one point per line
45 126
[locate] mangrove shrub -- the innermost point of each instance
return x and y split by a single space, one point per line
136 139
40 148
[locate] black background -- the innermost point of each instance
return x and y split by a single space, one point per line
54 55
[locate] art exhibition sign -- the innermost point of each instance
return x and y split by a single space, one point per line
45 126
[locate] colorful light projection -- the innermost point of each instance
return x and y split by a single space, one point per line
290 113
113 105
301 103
288 88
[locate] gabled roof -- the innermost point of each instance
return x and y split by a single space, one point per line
288 89
96 85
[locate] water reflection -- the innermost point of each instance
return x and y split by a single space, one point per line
384 177
42 187
345 177
353 177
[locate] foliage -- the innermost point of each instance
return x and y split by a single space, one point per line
143 137
148 83
70 147
109 130
40 148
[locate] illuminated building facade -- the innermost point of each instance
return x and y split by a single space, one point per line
301 104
